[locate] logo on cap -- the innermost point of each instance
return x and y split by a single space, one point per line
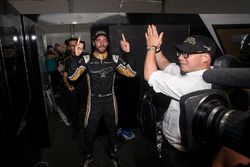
99 33
190 40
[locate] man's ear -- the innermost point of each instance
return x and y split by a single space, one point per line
93 43
206 57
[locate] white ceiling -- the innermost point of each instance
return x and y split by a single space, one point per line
57 15
86 6
132 6
87 12
61 12
82 18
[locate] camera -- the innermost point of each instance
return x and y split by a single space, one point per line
210 118
207 119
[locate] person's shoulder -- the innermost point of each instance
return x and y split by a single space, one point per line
86 57
115 57
85 53
50 54
67 58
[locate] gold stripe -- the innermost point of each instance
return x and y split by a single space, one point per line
127 71
79 71
115 103
116 109
88 103
100 56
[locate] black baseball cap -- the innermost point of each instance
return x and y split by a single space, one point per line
197 44
99 33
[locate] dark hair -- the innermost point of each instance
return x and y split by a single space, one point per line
50 47
68 40
57 45
50 52
84 44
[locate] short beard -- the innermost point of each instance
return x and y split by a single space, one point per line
100 50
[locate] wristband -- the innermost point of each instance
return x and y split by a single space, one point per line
158 50
152 46
155 48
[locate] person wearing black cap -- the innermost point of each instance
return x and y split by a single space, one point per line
173 80
100 67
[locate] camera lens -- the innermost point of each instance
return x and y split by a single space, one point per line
214 123
234 131
206 119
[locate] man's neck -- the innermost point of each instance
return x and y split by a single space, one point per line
99 55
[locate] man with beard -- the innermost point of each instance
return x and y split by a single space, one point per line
100 67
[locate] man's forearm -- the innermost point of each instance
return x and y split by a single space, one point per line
161 60
65 80
150 64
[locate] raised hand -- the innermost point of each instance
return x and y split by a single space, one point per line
125 44
78 47
153 39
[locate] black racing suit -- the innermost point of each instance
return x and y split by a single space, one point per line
101 101
74 100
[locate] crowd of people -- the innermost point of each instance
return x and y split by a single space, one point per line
88 80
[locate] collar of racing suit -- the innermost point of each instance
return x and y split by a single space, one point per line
100 56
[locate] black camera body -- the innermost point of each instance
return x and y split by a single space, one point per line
207 120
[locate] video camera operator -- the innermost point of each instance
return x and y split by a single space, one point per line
220 116
194 56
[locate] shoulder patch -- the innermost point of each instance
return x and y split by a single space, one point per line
86 58
115 58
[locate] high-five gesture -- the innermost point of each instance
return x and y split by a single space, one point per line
125 44
153 39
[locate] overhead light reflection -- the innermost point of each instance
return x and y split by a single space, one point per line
33 37
79 18
15 38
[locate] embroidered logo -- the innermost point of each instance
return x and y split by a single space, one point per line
190 40
103 72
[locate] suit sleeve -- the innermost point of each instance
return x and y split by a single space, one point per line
123 67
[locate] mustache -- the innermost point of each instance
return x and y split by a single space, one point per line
104 45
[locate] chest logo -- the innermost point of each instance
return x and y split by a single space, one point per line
102 72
